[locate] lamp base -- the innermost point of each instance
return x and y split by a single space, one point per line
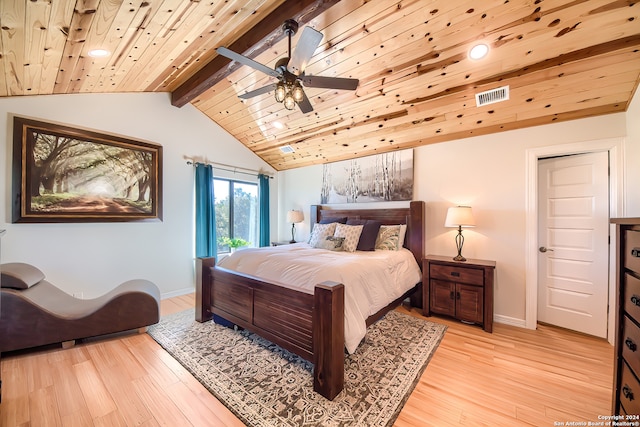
293 233
459 243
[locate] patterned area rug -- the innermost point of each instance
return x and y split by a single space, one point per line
265 385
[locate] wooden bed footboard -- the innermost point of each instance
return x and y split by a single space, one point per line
309 325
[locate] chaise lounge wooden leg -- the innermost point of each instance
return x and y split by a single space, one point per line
142 330
68 344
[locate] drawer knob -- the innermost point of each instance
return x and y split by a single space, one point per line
635 252
636 300
455 273
627 392
629 343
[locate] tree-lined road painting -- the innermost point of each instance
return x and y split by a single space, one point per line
71 175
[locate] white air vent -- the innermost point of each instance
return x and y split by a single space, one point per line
492 96
287 149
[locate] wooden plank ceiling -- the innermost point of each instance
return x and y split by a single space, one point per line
562 60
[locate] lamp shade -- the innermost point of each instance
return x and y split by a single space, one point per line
295 216
460 216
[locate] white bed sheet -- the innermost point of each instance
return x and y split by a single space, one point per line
372 279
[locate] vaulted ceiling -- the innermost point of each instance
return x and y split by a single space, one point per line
560 59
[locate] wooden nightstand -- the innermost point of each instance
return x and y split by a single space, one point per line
463 290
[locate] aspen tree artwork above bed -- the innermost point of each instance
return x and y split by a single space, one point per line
308 319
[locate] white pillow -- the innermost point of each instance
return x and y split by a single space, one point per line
321 232
388 238
351 234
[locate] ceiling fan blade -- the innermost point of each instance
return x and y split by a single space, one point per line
330 82
259 91
305 104
307 44
247 61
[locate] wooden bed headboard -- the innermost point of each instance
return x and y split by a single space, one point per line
413 216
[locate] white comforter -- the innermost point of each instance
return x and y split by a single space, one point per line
371 279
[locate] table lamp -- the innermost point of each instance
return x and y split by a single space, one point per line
459 216
294 217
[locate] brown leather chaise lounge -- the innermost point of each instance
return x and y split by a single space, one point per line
35 312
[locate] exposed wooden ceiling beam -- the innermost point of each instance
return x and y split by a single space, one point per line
260 38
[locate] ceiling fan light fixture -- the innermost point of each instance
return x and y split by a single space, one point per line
297 92
289 102
280 92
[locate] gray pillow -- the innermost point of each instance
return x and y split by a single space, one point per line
18 275
369 233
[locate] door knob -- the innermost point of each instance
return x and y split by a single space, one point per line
543 249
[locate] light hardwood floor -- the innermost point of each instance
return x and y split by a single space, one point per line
513 377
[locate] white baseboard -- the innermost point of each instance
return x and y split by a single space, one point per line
177 293
506 320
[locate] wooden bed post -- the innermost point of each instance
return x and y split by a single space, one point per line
415 222
203 288
328 339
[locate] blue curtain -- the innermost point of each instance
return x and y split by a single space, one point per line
206 244
263 192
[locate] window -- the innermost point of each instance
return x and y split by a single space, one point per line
236 204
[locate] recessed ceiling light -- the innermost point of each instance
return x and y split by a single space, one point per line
277 125
479 51
99 53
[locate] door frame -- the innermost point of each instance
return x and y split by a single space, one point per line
614 146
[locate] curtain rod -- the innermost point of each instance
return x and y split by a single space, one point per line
234 169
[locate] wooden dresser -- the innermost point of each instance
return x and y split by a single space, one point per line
463 290
626 384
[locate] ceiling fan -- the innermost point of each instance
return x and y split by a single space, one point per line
290 70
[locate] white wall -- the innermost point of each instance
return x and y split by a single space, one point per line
488 173
93 258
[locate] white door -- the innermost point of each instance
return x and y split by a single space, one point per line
573 242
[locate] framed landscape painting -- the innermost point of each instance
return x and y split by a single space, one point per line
66 174
379 178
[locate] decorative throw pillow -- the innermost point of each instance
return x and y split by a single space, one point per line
388 238
331 243
369 233
351 234
18 275
321 232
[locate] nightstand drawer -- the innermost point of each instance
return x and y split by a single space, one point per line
631 345
632 250
629 391
632 296
470 276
